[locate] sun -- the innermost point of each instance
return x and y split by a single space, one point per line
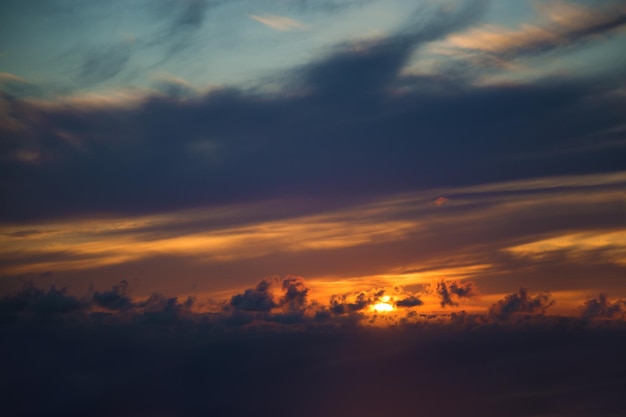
383 306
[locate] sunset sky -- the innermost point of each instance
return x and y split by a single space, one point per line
306 208
197 147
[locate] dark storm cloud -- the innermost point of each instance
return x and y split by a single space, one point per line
450 292
602 307
521 303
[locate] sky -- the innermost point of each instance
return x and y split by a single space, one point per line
197 147
299 207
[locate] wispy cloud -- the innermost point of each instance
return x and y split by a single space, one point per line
561 24
281 23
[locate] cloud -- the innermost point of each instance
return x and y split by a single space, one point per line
450 292
114 299
348 303
104 63
602 307
193 12
255 299
411 301
189 369
577 246
369 67
521 303
347 97
400 239
295 293
343 131
281 23
285 297
565 24
32 300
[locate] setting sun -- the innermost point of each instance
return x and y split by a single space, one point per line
383 306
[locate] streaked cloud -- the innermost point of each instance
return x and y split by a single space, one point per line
564 23
609 244
482 233
281 23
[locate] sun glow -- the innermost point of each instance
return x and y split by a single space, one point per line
383 306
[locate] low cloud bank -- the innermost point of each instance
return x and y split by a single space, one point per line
521 302
283 302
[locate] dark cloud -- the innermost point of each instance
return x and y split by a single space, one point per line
344 304
192 369
114 299
32 300
450 292
295 293
395 133
411 301
521 303
255 299
356 70
602 307
285 298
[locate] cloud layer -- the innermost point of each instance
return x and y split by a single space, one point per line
342 109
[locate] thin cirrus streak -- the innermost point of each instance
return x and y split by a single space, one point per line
281 23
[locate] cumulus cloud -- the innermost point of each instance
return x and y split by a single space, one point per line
32 300
348 303
114 299
287 294
521 302
255 299
450 292
295 293
602 307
